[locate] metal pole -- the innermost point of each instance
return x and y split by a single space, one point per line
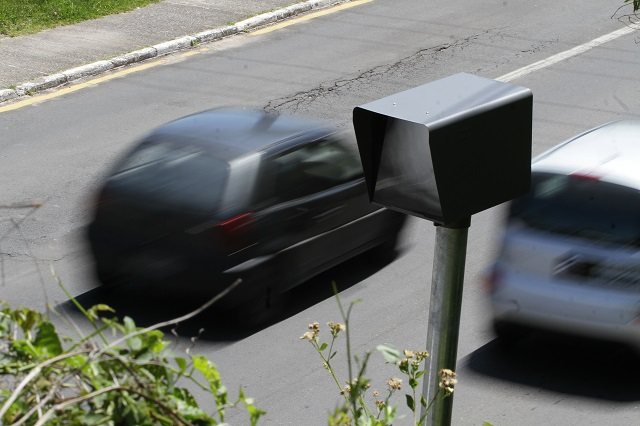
444 315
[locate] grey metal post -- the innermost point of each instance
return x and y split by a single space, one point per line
444 315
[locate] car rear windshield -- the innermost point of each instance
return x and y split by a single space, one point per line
580 207
173 175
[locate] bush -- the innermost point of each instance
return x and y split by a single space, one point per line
133 379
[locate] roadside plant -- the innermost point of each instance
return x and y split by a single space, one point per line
636 4
378 409
118 374
625 16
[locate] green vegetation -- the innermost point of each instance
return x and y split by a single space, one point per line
119 374
378 410
20 17
636 4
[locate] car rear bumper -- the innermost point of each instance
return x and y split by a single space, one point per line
569 308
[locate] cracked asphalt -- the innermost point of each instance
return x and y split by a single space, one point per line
382 73
58 56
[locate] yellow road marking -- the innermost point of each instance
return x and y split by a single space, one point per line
194 52
61 92
135 68
309 16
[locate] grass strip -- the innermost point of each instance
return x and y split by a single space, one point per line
21 17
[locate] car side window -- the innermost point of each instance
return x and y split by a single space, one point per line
314 168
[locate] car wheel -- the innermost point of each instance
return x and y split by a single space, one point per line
260 311
108 275
509 334
384 251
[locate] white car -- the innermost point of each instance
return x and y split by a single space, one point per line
570 255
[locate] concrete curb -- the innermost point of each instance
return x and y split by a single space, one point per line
96 68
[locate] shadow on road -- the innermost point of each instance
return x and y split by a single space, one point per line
601 370
148 306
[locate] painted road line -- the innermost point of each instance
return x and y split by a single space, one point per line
551 60
135 68
505 78
61 92
309 16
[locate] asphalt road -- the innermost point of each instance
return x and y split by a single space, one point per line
55 151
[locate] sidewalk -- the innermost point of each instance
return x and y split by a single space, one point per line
51 58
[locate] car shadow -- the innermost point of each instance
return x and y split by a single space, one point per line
149 307
595 369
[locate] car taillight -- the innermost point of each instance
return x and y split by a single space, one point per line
491 280
235 232
102 197
585 176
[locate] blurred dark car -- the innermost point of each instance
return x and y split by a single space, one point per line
233 193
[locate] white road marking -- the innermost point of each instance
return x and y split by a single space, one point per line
505 78
551 60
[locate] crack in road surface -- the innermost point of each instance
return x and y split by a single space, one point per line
420 62
297 99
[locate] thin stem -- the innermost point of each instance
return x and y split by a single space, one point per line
345 318
415 408
38 408
95 354
69 323
328 364
432 401
33 373
173 321
77 304
62 405
365 361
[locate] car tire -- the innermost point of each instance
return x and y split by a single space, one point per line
260 311
509 334
107 274
385 251
104 273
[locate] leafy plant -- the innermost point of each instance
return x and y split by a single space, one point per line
636 4
130 379
355 409
623 14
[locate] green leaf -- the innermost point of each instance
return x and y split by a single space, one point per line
182 364
188 408
254 412
91 419
208 370
129 325
134 343
390 414
423 401
93 311
24 348
324 346
47 340
156 344
420 373
410 402
26 319
413 383
390 354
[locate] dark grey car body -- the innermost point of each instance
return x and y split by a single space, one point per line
231 193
